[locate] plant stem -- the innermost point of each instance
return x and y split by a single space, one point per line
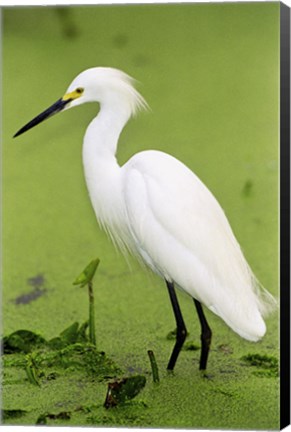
92 334
154 366
31 370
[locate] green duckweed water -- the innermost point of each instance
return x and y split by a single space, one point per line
210 75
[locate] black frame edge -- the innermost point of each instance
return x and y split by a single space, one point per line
284 215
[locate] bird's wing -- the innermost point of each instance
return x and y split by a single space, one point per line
181 231
164 197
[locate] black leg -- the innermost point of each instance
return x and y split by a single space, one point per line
206 334
181 328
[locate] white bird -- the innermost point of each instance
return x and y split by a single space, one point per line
157 209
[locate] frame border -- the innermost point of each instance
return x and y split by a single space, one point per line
284 215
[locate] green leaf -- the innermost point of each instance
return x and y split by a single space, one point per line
82 337
70 334
22 341
87 274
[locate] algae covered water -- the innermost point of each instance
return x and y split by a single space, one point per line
210 76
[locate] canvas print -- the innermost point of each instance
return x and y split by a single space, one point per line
140 216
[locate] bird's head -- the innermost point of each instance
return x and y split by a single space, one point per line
110 87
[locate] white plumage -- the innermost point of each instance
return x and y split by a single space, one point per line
182 233
160 211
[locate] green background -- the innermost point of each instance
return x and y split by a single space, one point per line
210 73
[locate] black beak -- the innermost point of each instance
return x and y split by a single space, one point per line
54 109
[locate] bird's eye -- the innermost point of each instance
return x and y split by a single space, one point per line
79 90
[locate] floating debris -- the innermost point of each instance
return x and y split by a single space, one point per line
122 390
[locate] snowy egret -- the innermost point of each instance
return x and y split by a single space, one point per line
158 210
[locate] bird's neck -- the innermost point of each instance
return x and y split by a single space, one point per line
102 172
102 134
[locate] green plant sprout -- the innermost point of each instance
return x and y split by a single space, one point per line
154 366
31 369
86 278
